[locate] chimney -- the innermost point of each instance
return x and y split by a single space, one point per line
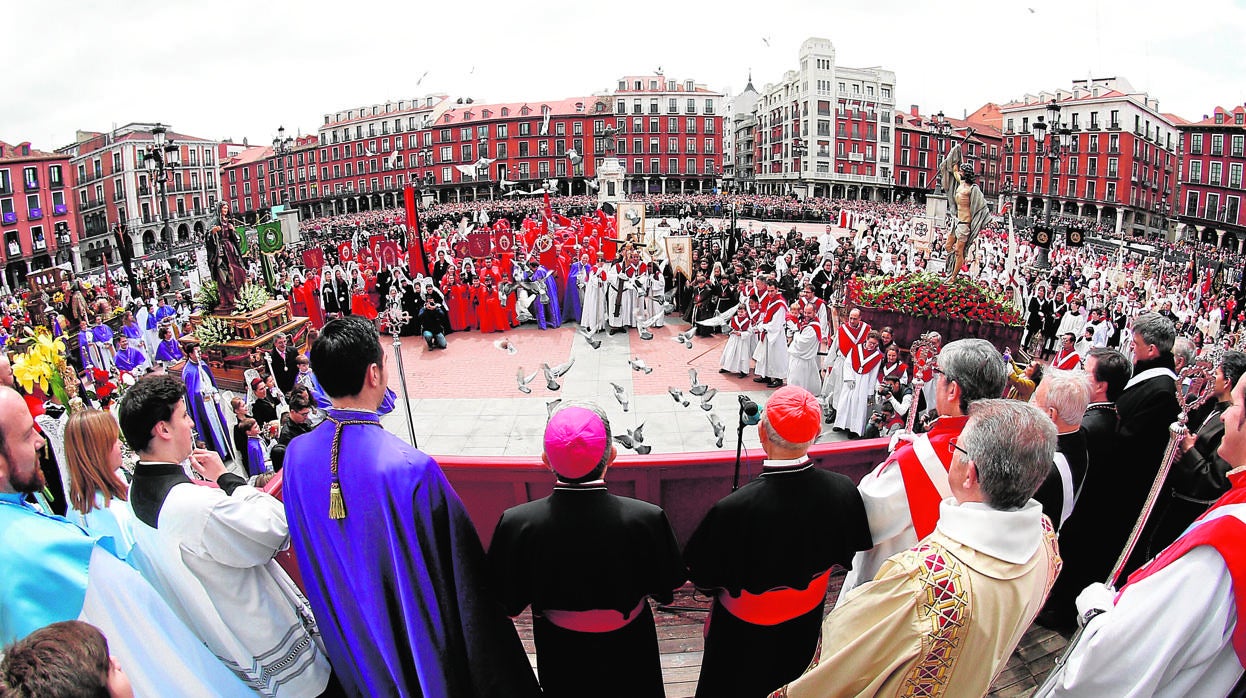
914 111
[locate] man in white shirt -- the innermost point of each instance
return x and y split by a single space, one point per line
210 551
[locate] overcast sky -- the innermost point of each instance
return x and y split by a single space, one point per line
241 68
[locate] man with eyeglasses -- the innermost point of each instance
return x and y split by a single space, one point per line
902 495
942 617
298 420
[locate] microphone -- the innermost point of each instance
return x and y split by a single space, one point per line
749 414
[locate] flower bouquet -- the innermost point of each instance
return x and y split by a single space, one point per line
929 295
42 362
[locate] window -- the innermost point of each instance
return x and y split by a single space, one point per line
1237 144
1235 175
446 175
1213 173
447 153
1113 165
1090 189
1092 167
1072 166
32 207
1115 119
1217 144
31 176
465 152
692 109
1196 172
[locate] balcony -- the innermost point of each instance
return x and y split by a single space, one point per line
34 214
144 191
8 218
91 203
60 209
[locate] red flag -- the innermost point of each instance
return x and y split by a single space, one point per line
313 258
417 262
345 252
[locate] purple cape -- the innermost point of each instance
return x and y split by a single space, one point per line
572 308
128 358
210 430
399 587
169 350
255 456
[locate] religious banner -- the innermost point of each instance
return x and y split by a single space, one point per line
373 242
270 237
313 258
631 222
459 247
345 252
679 254
389 253
503 240
478 243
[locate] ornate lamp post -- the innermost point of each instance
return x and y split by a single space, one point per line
1051 140
161 157
941 128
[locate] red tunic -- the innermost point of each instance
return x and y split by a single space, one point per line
490 317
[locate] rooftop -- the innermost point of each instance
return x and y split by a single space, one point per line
23 152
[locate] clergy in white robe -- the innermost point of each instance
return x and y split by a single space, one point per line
942 618
771 352
210 551
852 408
1175 629
593 315
738 351
849 336
802 353
620 295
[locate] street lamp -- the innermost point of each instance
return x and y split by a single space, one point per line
800 148
1051 139
161 157
282 144
941 128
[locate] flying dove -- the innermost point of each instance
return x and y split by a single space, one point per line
638 364
523 382
678 395
697 388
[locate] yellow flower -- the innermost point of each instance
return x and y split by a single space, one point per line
29 370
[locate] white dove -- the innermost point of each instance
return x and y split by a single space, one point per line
523 382
638 364
719 428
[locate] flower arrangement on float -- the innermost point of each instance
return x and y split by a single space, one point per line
41 361
929 295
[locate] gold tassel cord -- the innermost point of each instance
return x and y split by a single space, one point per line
337 504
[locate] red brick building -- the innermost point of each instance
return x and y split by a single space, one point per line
115 190
1121 164
36 211
919 150
670 137
1213 153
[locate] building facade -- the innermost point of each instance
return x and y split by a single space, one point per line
921 144
826 129
37 213
670 135
114 190
741 167
1213 155
1121 165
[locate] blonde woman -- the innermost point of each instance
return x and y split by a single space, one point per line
97 484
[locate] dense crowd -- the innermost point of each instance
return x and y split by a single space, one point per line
297 548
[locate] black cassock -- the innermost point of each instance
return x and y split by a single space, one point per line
781 530
583 549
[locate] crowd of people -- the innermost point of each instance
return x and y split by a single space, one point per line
241 554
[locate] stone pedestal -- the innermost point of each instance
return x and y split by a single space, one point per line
610 182
936 211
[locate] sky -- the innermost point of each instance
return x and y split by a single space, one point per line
234 69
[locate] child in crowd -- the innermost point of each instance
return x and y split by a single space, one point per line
62 660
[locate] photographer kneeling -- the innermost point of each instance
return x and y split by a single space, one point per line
891 408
